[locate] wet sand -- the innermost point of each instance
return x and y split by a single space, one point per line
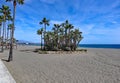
95 66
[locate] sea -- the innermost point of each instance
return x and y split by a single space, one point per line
112 46
115 46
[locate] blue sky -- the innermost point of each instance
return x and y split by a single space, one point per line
99 20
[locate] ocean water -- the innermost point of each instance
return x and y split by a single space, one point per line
115 46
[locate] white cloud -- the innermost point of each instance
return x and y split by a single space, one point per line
86 29
100 34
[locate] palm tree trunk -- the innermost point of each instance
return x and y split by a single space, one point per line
69 37
57 38
0 36
10 58
75 44
0 30
44 36
3 33
7 38
41 41
3 36
7 33
66 37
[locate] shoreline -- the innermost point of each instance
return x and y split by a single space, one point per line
77 47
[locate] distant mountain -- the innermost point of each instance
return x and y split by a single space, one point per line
23 41
27 42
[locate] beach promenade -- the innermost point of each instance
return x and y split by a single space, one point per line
95 66
5 76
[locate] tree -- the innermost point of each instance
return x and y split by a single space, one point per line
15 2
45 23
56 32
0 28
6 12
10 26
62 37
76 38
39 32
50 37
1 20
67 28
69 32
9 18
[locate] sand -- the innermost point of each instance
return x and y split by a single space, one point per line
95 66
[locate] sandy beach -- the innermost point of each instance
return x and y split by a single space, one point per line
95 66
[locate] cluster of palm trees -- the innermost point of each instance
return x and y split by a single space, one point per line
7 26
5 17
62 36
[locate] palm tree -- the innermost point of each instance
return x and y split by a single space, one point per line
69 32
1 20
12 35
9 30
61 36
6 12
45 23
76 38
71 36
56 32
39 32
9 18
50 37
0 29
67 27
